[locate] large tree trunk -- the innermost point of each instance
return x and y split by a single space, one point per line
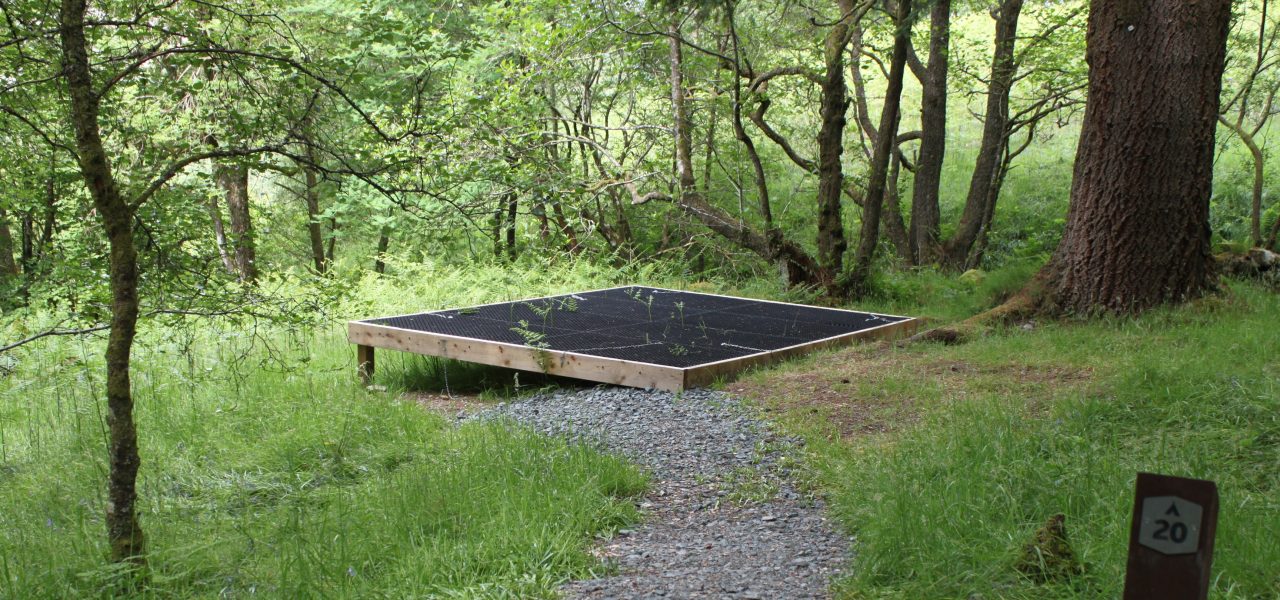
886 138
234 181
123 529
8 266
834 105
925 212
994 137
1137 231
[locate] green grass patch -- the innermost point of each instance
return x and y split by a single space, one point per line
290 483
1014 427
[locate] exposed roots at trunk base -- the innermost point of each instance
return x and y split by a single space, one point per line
1027 302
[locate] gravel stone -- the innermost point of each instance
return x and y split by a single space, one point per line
699 539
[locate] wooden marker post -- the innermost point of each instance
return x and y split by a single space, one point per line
364 363
1171 540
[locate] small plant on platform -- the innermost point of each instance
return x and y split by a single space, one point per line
569 304
533 339
544 310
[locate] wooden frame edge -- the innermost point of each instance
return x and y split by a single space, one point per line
512 356
702 375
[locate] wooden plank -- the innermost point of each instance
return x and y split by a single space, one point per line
702 375
499 354
364 363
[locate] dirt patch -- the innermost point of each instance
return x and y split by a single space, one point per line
869 391
828 388
455 406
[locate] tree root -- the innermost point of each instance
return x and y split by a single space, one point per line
1027 302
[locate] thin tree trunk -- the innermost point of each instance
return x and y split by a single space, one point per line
925 212
894 225
834 104
333 240
1255 209
994 137
680 113
979 251
513 201
1137 231
859 278
123 529
566 228
314 231
7 265
384 243
220 235
28 255
233 179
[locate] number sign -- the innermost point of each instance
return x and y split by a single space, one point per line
1171 540
1170 525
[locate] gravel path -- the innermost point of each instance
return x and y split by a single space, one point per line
723 519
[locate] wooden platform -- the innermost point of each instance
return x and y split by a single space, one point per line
607 329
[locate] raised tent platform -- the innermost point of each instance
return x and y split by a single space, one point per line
634 336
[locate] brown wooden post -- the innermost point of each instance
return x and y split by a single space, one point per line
1171 540
364 363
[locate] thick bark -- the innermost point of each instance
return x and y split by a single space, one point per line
1137 231
123 529
8 266
925 212
858 278
834 105
233 179
994 137
312 197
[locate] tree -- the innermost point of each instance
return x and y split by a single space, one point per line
1249 104
1137 231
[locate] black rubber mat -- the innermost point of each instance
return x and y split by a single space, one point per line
642 324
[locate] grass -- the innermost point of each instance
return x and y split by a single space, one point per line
294 483
268 471
980 443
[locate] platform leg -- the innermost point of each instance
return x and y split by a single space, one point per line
364 363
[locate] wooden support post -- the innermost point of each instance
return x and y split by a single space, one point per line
364 363
1171 539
